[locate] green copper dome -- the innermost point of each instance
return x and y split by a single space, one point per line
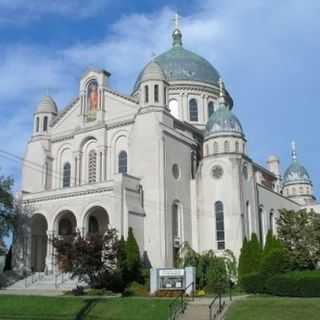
223 120
179 64
296 173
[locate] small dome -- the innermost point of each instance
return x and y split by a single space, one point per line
152 72
47 105
296 173
273 158
223 120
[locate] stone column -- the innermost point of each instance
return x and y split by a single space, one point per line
50 259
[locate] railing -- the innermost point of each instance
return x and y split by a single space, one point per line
178 305
216 306
32 277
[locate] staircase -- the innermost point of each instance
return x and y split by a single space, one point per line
46 282
199 310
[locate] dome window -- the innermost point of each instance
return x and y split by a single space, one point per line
237 147
156 93
45 123
215 147
226 146
193 110
146 94
37 124
210 109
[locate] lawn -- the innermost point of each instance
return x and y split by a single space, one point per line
72 308
274 308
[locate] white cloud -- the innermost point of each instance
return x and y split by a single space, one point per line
21 11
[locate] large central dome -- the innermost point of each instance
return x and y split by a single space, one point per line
179 64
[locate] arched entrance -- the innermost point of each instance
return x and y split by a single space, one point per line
66 224
96 221
39 227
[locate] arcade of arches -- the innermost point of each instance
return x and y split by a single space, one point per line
96 221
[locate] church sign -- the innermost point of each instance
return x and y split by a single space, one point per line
171 279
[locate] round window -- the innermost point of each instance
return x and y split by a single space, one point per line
176 171
217 172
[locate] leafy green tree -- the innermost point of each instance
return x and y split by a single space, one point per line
217 275
134 264
122 260
299 232
250 256
6 206
271 243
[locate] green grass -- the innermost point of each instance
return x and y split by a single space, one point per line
74 308
275 308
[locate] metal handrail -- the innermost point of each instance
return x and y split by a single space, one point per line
178 305
215 309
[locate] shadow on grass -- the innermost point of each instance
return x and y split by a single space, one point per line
85 310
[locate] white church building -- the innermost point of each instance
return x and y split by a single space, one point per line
170 160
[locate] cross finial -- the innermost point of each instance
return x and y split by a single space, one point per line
176 21
221 87
293 152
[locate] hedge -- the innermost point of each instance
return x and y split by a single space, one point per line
294 284
253 283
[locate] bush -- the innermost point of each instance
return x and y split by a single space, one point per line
137 289
274 262
250 256
253 283
295 284
217 276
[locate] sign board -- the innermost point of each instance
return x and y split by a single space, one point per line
171 272
171 279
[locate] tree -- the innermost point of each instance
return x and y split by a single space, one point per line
92 259
6 206
250 256
299 233
271 243
217 275
122 260
133 258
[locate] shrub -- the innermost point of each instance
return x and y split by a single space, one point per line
295 284
253 283
271 243
217 275
276 261
250 257
137 289
133 260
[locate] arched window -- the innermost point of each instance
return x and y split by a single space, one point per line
123 162
175 221
243 148
210 109
93 225
215 147
165 95
226 146
156 93
271 220
247 218
146 94
218 206
260 220
37 124
293 190
45 123
92 167
237 147
66 175
193 110
301 190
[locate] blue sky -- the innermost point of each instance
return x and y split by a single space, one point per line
266 51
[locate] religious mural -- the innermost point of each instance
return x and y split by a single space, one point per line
92 100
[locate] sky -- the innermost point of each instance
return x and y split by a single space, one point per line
267 53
